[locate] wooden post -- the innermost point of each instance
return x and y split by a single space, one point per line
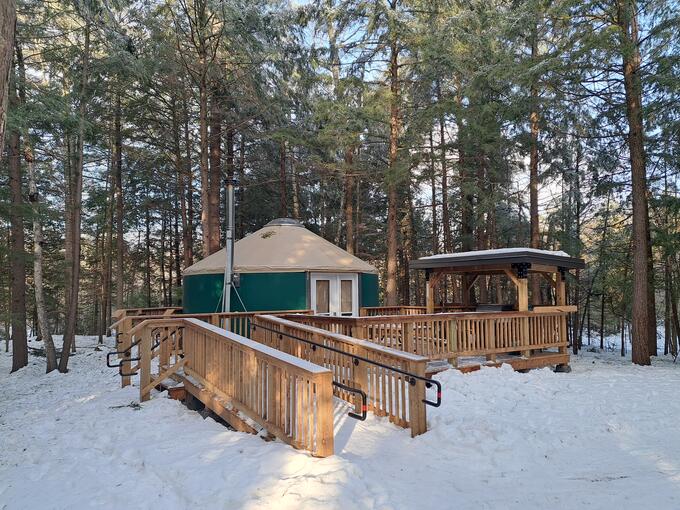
124 345
324 439
429 293
490 332
465 290
561 300
164 349
453 342
145 365
522 295
560 290
407 336
361 374
523 306
416 395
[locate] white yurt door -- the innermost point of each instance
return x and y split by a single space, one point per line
335 293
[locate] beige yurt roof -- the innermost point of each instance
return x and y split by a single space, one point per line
283 245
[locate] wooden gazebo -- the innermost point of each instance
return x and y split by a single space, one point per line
515 263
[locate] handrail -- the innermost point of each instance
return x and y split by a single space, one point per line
362 394
225 315
356 358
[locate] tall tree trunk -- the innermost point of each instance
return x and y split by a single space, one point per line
349 200
180 209
283 202
107 257
34 199
38 240
534 237
215 171
296 188
188 178
76 200
392 296
205 170
147 246
627 19
466 184
118 192
603 242
433 195
161 258
242 184
446 219
8 20
17 254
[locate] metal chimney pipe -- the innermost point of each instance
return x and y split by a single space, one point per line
229 246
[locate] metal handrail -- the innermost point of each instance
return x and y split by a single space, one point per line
364 401
356 358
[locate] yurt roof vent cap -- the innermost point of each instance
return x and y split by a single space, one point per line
287 222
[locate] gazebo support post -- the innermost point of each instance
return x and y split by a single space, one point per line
561 299
429 293
431 281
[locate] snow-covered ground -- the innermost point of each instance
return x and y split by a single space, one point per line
607 435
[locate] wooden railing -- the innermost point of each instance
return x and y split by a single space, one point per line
160 310
389 392
372 311
453 335
236 322
290 397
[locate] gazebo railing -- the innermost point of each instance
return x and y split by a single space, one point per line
372 311
454 335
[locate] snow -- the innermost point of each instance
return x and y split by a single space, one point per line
497 251
603 436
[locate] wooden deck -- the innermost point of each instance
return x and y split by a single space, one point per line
284 373
523 339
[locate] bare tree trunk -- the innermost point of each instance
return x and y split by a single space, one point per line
602 258
433 195
392 177
296 188
215 146
38 240
408 249
7 26
161 256
107 257
627 19
205 171
667 325
446 219
283 199
33 197
349 200
188 177
118 192
176 258
17 254
534 237
147 246
180 198
675 321
76 200
241 180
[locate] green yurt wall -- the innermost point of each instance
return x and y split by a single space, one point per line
273 265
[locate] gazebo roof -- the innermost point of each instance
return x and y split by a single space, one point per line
484 260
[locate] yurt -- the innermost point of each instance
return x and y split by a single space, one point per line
283 266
